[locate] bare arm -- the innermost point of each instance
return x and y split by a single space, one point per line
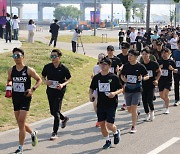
9 79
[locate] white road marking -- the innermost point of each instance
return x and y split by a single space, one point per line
165 145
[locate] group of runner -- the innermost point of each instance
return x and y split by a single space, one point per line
127 73
142 67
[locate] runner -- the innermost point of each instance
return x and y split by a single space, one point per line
121 38
56 76
154 73
116 62
168 67
176 56
108 87
124 59
19 77
133 38
132 74
96 70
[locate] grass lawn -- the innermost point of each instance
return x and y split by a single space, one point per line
36 56
85 39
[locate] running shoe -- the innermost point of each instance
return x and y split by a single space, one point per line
123 107
117 137
53 136
138 114
133 130
166 111
147 118
152 117
34 138
107 145
97 124
64 122
176 103
18 151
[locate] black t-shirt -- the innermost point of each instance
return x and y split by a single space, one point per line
166 76
131 72
152 68
124 58
103 84
115 63
56 75
128 32
121 34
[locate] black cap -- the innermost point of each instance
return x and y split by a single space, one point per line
110 48
106 60
134 52
125 45
55 20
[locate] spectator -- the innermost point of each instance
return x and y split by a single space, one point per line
31 27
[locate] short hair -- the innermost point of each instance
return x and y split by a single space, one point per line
18 50
146 50
134 52
178 42
55 20
59 53
166 50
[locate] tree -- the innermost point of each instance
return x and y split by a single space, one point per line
172 16
175 13
68 12
138 11
176 1
127 4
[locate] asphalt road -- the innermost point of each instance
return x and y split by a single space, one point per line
82 137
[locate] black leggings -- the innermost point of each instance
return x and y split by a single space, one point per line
147 98
53 38
55 103
176 86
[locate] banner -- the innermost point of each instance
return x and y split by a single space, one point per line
97 17
3 7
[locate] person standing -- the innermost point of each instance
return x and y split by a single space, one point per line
56 76
154 73
8 28
15 26
31 28
108 87
121 37
19 77
176 56
132 74
132 37
54 29
173 42
168 66
74 39
139 42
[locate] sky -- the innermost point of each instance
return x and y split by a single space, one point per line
30 11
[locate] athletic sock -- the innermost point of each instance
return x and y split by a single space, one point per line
32 134
107 138
20 147
116 132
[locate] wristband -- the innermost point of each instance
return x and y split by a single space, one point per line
33 88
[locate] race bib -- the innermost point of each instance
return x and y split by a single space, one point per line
139 40
104 87
131 78
177 63
111 70
18 87
150 73
54 84
164 72
121 35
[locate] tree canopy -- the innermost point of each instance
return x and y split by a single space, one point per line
66 12
127 4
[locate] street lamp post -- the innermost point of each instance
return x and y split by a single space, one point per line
94 17
11 8
148 15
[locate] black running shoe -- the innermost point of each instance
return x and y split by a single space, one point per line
117 137
18 151
53 136
107 145
64 122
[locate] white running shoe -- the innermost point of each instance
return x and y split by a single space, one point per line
147 118
166 111
152 117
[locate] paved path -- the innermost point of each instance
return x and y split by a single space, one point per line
6 47
82 137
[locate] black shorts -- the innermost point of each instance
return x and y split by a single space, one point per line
106 115
133 43
21 103
164 85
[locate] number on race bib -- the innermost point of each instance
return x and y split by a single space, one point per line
150 73
104 87
18 87
164 72
54 84
177 63
131 78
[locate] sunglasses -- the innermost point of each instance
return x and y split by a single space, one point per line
53 56
16 56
